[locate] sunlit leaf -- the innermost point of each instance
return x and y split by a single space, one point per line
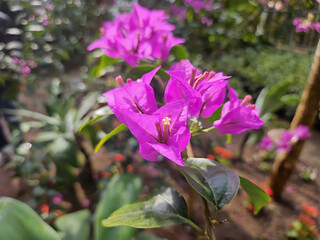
259 198
115 131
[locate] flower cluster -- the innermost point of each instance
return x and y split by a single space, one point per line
305 227
200 4
24 67
189 93
141 34
287 139
304 25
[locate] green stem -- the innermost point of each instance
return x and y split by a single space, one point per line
195 226
208 129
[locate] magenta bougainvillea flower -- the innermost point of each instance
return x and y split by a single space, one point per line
238 115
302 132
161 130
178 12
204 92
135 96
285 142
164 132
302 25
266 143
141 34
200 4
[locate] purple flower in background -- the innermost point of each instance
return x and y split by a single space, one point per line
266 143
206 20
284 144
302 25
316 26
203 92
238 115
141 34
57 199
178 12
200 4
302 132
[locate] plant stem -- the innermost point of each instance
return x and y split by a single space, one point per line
195 226
208 129
209 225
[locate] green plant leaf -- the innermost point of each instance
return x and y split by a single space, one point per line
122 189
18 221
212 180
162 208
115 131
269 101
94 116
138 71
105 62
180 52
215 116
86 104
74 226
290 99
258 197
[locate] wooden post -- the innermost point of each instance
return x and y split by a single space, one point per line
306 112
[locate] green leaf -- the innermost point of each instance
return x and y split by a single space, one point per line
269 101
212 180
180 52
258 197
164 207
290 99
86 105
105 62
115 131
18 221
74 226
122 189
34 115
215 116
94 116
138 71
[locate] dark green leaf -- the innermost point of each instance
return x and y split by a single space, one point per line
18 221
121 189
258 197
163 208
137 72
212 180
180 52
74 226
115 131
215 116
